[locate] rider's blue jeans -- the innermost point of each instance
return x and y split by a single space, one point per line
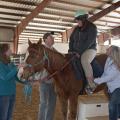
6 107
47 101
114 105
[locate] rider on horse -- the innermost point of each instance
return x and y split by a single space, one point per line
83 43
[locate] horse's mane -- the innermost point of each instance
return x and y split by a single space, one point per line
33 46
53 50
57 58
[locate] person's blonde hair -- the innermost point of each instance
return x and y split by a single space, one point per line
115 55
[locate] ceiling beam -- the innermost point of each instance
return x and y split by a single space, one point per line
15 14
109 21
105 11
7 23
99 15
73 4
37 31
20 27
100 1
67 17
6 26
16 8
11 19
22 2
82 5
65 20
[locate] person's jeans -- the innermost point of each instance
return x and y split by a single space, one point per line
47 102
114 105
6 107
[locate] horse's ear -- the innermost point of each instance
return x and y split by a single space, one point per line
40 41
29 42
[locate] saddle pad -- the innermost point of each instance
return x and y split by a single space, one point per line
79 72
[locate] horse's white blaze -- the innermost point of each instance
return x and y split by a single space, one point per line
26 56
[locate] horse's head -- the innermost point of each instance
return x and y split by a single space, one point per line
35 59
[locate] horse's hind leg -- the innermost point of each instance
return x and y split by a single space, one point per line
64 106
73 102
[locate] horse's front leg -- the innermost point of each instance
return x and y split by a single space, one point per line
64 106
73 102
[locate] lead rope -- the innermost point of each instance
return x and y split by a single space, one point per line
27 90
46 58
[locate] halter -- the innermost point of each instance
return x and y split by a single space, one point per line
45 57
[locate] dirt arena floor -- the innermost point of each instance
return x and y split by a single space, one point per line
25 111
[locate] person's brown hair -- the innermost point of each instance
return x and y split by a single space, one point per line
3 48
45 36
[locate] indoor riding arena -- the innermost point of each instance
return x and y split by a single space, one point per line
23 26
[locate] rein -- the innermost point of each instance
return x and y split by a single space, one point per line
57 71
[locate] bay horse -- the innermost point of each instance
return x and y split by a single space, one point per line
67 87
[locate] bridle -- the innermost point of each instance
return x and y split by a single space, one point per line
42 61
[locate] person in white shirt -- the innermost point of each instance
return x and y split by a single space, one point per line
47 92
111 76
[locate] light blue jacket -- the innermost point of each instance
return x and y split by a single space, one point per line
111 76
8 78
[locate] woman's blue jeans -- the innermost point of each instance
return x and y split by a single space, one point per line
6 107
47 101
114 105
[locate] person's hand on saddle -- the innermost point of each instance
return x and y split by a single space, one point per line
90 88
93 85
74 53
77 55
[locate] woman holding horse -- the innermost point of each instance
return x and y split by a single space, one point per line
8 78
111 76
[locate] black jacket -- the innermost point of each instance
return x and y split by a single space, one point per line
84 38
